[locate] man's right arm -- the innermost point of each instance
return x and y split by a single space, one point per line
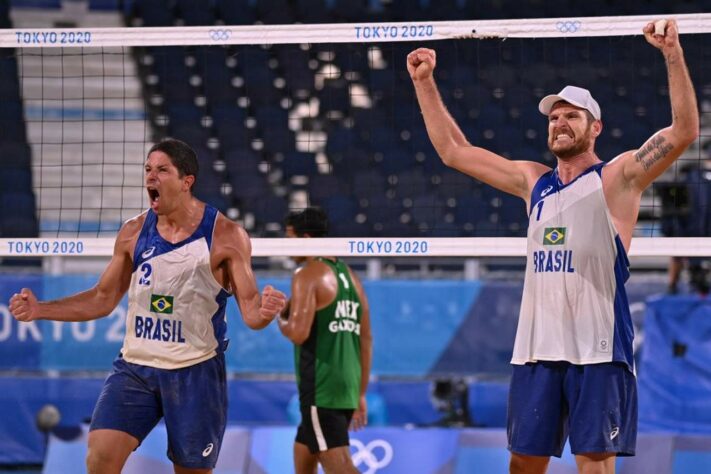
91 304
514 177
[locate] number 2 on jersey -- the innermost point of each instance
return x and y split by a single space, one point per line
146 278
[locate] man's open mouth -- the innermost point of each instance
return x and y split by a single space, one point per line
153 194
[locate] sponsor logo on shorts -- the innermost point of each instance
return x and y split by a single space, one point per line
161 304
206 452
554 236
614 433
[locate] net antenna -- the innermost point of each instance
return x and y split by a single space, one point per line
95 100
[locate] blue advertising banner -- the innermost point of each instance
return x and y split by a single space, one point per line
401 312
20 344
420 328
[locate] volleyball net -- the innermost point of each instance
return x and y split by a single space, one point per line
286 116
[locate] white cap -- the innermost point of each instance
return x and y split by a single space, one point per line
576 96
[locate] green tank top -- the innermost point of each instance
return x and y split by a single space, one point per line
328 368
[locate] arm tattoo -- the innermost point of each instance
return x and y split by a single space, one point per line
656 149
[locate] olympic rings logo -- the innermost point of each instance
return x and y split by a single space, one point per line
220 35
366 454
568 26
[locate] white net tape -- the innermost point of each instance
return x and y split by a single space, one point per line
343 32
348 33
362 247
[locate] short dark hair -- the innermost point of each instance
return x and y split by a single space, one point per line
181 155
311 220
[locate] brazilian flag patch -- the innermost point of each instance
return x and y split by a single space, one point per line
554 236
161 304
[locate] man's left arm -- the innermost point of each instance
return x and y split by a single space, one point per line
257 310
648 162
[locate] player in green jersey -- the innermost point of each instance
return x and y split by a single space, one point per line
328 320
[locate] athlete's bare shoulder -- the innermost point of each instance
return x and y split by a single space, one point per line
129 232
229 236
135 223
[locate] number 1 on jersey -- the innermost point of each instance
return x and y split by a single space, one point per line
344 280
540 208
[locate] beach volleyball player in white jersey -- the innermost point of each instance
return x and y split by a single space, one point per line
573 371
179 261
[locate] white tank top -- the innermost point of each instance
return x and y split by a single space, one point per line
176 308
574 305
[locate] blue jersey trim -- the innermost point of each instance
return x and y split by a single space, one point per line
549 183
219 324
150 244
622 348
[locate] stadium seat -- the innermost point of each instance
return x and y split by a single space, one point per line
340 208
349 228
268 209
311 11
235 12
368 182
248 187
298 163
269 116
383 210
193 135
195 12
349 162
278 139
395 160
334 96
241 161
428 209
155 12
274 12
322 186
454 184
411 183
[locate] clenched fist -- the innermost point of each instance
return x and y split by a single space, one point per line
421 63
24 306
273 301
662 35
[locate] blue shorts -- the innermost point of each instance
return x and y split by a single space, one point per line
595 405
192 400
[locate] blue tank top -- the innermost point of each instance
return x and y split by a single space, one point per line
176 308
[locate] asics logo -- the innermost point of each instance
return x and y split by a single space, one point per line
148 253
206 452
375 455
546 191
614 433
